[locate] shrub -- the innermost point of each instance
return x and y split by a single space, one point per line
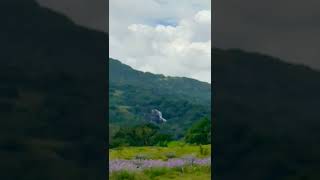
141 157
170 155
203 151
123 175
156 172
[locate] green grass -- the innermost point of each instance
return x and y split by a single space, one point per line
179 149
182 173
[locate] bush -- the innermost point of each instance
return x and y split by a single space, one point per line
141 157
156 172
123 175
170 155
204 151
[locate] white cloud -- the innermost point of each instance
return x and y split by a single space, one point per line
139 39
203 17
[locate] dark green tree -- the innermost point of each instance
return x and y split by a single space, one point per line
200 132
140 135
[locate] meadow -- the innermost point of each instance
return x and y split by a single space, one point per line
179 160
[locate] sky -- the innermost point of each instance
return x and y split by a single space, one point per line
288 29
162 36
159 36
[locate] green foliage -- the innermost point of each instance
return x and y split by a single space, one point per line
141 157
133 94
157 172
200 132
124 175
187 172
204 151
171 155
122 74
176 144
163 139
140 135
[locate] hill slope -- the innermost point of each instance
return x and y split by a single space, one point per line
133 94
52 95
267 118
122 74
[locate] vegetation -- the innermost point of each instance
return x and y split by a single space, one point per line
176 148
140 135
132 95
51 95
185 173
142 154
135 141
122 74
200 132
150 134
267 117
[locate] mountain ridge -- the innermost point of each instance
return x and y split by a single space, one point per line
165 76
201 91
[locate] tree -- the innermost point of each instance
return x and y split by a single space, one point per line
140 135
200 132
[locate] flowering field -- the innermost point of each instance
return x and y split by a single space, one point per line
178 173
136 165
178 161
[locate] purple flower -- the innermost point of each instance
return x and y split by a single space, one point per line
134 165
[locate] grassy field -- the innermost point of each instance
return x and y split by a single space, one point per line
185 173
179 149
175 150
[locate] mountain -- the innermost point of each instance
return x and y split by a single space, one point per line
266 118
52 95
133 94
122 74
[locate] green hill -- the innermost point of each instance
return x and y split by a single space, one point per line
122 74
267 118
52 93
133 94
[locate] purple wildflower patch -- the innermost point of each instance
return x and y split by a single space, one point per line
135 165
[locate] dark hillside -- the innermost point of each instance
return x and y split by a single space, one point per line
267 118
52 95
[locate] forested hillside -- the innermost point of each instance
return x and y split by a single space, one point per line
267 118
133 94
52 95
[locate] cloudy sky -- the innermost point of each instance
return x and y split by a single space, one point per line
288 29
162 36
